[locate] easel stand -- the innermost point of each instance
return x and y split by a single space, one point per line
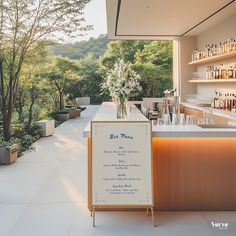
93 211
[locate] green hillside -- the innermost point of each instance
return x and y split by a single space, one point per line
79 50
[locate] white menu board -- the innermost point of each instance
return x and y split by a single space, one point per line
121 164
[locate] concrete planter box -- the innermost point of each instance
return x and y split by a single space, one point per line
63 117
47 126
78 112
8 155
73 113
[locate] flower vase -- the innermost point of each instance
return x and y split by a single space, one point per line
121 104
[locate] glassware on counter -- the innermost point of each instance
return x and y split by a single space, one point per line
208 117
166 119
160 121
174 119
190 120
181 120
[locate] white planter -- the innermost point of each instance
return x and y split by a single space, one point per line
47 126
83 100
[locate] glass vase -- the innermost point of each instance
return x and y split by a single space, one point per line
121 104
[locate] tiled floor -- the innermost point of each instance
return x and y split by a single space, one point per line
45 194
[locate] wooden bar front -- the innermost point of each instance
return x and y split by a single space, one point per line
191 173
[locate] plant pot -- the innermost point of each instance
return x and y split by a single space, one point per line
47 127
78 112
8 155
72 113
62 117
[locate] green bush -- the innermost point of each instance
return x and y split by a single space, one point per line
54 113
81 108
8 144
23 138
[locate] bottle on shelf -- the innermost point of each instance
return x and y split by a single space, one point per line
225 101
223 71
214 49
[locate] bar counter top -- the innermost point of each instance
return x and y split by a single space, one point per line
107 112
217 112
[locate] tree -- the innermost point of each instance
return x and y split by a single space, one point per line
152 81
159 53
154 64
125 50
90 82
22 24
31 85
61 75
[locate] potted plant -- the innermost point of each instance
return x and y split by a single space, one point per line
72 112
60 115
8 152
121 80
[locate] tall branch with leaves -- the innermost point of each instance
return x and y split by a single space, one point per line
22 24
62 75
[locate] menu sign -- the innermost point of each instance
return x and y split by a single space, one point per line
121 163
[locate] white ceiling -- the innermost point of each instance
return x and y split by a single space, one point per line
153 18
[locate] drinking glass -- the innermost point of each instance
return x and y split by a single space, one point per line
189 120
154 122
181 119
160 121
166 118
174 119
208 117
200 121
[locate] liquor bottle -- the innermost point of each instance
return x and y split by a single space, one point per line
220 49
230 72
217 101
217 73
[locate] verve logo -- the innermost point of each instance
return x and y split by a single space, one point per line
220 225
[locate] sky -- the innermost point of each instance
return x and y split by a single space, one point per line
95 14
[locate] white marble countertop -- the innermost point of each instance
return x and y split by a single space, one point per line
107 112
190 131
222 113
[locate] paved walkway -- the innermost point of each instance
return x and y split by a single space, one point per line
45 194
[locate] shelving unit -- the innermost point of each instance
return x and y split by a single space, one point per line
214 58
212 81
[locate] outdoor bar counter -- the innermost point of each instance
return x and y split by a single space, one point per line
194 168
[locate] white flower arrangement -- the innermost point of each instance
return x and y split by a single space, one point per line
121 80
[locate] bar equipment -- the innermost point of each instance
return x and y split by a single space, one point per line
170 103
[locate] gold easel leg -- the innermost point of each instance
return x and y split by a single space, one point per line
153 217
93 216
147 211
91 212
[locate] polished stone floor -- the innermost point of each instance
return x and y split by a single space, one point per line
45 194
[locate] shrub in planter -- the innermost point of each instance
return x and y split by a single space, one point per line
61 115
74 112
81 108
25 137
8 152
69 106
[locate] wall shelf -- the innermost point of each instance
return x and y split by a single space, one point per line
212 81
214 58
